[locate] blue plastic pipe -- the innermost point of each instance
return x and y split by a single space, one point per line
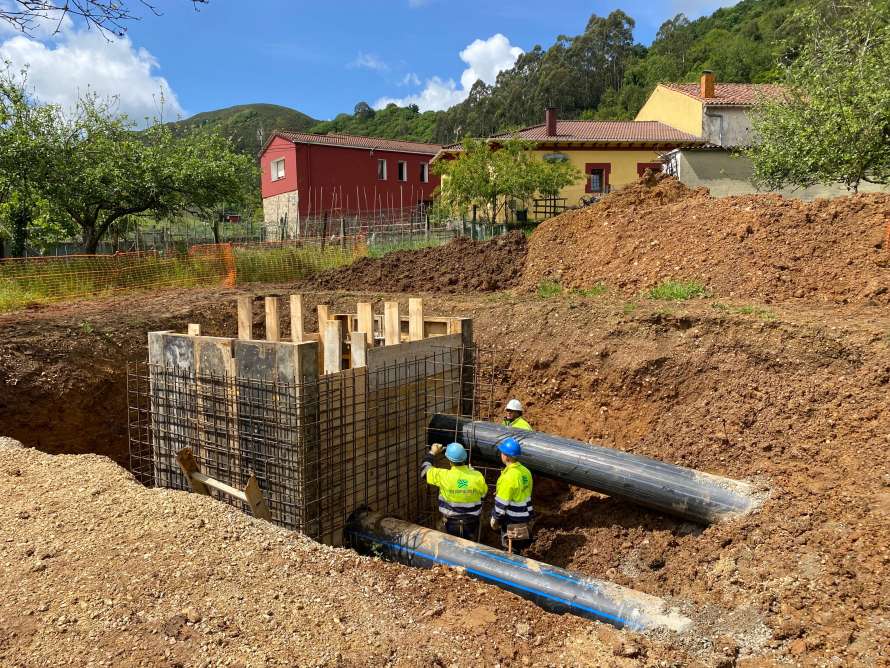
555 589
675 490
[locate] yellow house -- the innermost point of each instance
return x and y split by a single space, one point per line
609 154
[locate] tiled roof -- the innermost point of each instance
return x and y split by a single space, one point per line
623 132
354 141
730 94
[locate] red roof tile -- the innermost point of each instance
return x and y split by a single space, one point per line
355 141
728 94
604 132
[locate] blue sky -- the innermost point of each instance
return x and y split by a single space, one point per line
318 57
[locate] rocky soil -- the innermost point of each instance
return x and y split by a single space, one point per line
458 266
761 247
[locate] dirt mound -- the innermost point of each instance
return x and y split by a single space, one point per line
761 247
98 570
458 266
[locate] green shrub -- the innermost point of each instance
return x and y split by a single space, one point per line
676 291
548 289
597 290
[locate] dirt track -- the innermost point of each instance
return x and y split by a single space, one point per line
798 398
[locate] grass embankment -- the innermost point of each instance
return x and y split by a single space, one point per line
40 280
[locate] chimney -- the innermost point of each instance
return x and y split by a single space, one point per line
550 119
707 84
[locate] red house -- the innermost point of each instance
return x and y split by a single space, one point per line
306 178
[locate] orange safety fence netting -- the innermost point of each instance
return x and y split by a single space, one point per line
37 279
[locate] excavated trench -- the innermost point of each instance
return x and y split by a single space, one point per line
797 400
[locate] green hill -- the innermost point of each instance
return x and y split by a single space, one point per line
248 125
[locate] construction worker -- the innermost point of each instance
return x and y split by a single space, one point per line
513 513
461 490
513 416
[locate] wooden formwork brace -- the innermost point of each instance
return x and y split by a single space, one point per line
202 484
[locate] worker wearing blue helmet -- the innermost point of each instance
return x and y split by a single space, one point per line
461 490
513 513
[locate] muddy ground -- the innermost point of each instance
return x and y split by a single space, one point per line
796 398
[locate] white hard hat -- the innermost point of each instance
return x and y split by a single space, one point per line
514 405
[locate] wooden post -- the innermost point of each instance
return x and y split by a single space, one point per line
272 329
358 350
189 466
366 321
415 319
194 329
245 318
333 346
392 325
324 314
296 318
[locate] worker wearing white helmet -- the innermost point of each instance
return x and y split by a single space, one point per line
513 416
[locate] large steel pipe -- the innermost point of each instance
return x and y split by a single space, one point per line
675 490
553 588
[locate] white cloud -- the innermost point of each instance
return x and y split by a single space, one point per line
369 61
485 58
410 79
64 65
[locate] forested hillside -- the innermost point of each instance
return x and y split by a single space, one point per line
393 122
248 125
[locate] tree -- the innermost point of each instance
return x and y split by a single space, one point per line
108 16
488 176
833 123
363 111
93 167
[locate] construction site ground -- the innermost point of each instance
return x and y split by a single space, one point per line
790 392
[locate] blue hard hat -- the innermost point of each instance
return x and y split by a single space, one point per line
510 447
456 453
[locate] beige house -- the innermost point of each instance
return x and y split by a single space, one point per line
718 114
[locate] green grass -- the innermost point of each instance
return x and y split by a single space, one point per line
381 249
548 289
36 281
629 307
597 290
676 291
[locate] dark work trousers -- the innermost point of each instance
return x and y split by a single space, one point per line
467 527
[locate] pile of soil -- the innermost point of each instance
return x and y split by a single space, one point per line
761 247
98 570
458 266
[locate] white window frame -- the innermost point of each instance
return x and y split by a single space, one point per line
424 172
381 175
402 171
276 169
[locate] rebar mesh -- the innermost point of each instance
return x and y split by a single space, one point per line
319 450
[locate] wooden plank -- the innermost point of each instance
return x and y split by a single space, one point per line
333 346
199 478
186 460
324 314
245 318
415 319
272 323
366 320
392 333
358 350
194 329
253 495
296 318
